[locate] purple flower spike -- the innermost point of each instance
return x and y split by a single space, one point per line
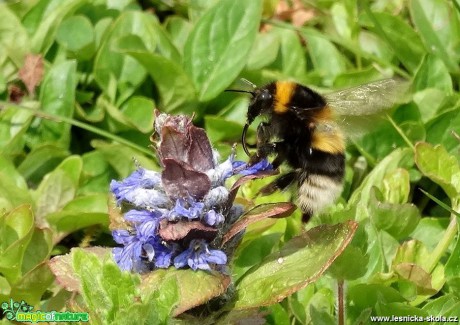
198 256
179 216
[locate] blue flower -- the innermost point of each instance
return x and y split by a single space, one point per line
138 247
216 197
128 257
189 209
213 218
147 198
242 168
223 171
146 221
198 256
140 178
160 252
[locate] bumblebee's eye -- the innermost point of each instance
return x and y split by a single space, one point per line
265 96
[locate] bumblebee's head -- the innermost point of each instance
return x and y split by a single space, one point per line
261 102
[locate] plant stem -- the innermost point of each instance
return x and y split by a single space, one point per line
81 125
340 302
443 244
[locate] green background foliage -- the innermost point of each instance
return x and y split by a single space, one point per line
78 83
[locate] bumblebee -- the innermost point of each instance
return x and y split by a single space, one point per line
306 131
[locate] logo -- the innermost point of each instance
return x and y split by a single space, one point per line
23 312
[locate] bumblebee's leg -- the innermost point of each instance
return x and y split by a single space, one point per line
264 133
280 183
267 149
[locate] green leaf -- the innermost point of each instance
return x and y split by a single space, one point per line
350 265
40 161
326 59
174 86
121 158
453 263
77 35
446 306
57 97
264 50
373 47
8 171
139 111
291 269
49 21
221 129
387 216
432 73
429 101
110 64
438 26
15 123
401 37
290 60
165 45
436 129
210 55
252 252
396 186
62 267
105 288
58 188
362 296
80 213
195 287
443 169
361 195
319 317
16 230
33 284
96 173
178 29
397 309
14 40
165 299
38 250
429 230
13 193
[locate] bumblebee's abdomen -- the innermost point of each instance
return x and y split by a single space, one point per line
320 182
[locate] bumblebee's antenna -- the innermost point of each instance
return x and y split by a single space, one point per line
243 139
246 81
240 91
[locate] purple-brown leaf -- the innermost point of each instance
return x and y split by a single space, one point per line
242 180
182 229
182 181
200 155
174 144
260 212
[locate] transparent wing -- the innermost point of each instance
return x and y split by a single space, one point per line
360 109
368 99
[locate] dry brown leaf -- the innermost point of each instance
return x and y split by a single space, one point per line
31 72
297 14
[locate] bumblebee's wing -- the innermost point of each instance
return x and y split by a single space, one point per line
359 108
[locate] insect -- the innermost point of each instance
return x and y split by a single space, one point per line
307 130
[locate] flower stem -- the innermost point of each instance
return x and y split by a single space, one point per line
340 302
